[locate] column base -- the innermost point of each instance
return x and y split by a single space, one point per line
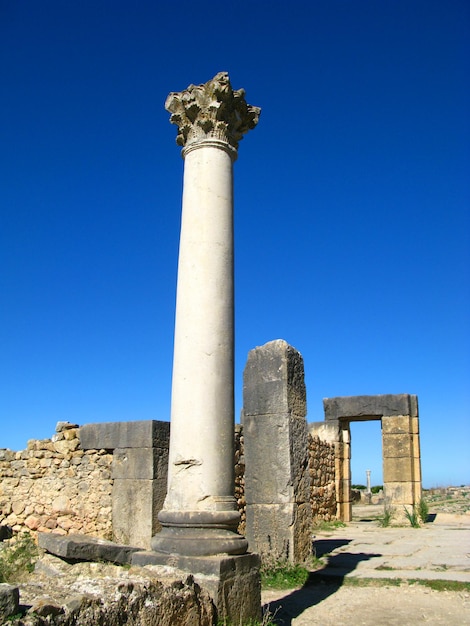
199 533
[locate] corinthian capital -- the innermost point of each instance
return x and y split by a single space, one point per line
211 111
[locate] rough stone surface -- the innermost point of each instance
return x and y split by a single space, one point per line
55 485
86 594
233 582
321 467
9 600
277 481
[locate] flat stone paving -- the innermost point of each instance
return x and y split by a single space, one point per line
438 550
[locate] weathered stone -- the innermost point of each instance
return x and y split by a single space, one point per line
9 600
140 463
274 381
277 480
111 435
233 582
96 593
370 406
397 445
136 504
85 548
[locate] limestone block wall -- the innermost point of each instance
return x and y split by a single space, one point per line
53 485
321 467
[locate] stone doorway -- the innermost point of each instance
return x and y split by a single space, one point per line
400 445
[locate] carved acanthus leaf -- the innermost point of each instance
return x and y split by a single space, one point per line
211 111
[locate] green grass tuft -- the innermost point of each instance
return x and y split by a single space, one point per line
283 575
18 558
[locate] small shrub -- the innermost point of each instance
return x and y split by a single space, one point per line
387 517
377 488
423 510
412 516
18 559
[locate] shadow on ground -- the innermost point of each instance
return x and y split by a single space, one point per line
319 585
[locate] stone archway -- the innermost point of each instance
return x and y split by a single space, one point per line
400 445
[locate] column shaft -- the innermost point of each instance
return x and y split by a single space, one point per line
202 413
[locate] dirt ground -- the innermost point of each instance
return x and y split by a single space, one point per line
327 605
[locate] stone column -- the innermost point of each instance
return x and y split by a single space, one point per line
200 515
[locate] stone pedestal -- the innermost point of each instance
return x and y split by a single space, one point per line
200 515
233 582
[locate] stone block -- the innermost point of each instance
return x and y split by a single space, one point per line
330 431
415 447
273 381
399 493
342 450
397 469
233 582
85 548
343 490
414 425
416 462
344 511
9 601
273 458
111 435
280 531
140 463
399 445
396 425
136 504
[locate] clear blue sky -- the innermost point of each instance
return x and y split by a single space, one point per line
352 197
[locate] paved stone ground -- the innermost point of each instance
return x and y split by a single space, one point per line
438 550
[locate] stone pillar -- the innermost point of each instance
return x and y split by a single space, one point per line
277 482
200 515
401 458
139 470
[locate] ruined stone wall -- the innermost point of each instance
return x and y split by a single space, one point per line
240 477
53 485
321 467
56 486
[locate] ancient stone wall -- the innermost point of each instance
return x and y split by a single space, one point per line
240 477
53 485
321 467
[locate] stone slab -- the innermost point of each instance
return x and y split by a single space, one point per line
111 435
370 407
85 548
136 504
233 582
9 600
